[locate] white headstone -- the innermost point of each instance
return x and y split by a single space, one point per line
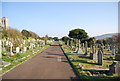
25 49
17 49
11 45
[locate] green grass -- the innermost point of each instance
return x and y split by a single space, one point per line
16 59
88 64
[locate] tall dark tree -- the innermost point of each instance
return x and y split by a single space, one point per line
79 34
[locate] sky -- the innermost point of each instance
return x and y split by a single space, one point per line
56 19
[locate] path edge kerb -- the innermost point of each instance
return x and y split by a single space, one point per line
75 71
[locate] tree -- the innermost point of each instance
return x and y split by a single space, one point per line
79 34
56 39
15 35
117 39
4 33
91 41
65 39
26 33
33 34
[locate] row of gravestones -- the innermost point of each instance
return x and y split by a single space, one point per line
27 44
96 53
83 48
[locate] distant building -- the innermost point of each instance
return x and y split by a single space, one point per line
4 23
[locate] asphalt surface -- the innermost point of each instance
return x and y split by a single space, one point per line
49 64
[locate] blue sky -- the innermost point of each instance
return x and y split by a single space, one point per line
58 18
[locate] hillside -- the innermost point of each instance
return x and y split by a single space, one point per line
104 36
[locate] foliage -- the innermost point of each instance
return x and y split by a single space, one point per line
4 33
117 39
110 40
91 41
56 38
14 35
26 33
65 39
78 34
33 34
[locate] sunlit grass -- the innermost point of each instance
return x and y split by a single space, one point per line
87 63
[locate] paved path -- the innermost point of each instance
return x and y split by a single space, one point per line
49 64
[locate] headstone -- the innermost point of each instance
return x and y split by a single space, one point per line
17 49
79 47
83 46
115 68
108 47
68 42
113 50
102 49
86 48
95 55
117 57
100 57
92 52
11 45
111 47
0 49
71 44
25 49
7 43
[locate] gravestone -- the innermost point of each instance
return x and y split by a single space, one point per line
86 48
68 42
83 46
0 49
7 43
92 53
115 68
17 49
11 45
71 44
95 57
100 57
113 50
25 49
108 47
79 47
111 47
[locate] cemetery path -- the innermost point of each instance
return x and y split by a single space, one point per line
49 64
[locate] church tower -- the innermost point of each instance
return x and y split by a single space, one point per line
4 23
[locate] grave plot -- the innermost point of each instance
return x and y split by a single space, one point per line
97 63
12 55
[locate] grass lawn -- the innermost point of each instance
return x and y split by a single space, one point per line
86 66
18 58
